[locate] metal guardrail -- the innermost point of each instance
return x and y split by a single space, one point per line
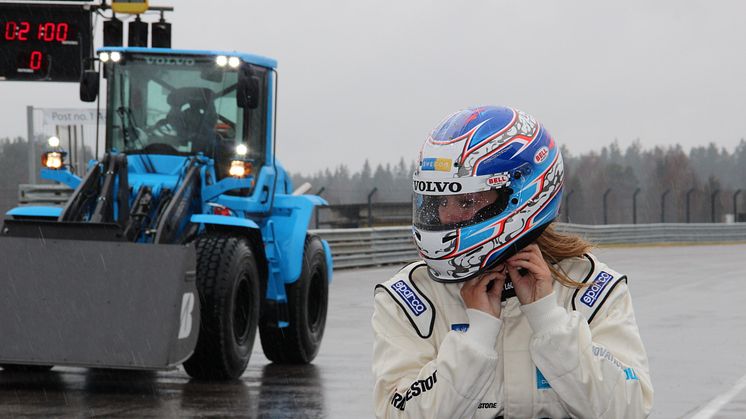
43 194
361 247
658 233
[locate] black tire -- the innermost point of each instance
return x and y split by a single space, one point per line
308 299
228 285
25 368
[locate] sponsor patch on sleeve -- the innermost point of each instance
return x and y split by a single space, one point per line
589 300
408 295
603 353
417 307
592 293
399 400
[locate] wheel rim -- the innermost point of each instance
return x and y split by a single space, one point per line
242 311
314 303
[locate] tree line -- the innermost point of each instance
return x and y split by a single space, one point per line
612 186
646 185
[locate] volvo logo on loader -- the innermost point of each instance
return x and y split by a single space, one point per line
169 61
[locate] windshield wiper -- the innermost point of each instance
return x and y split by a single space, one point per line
127 124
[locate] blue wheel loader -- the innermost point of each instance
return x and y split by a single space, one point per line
180 242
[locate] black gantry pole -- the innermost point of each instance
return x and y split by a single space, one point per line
712 204
370 206
688 194
663 205
735 205
606 218
567 205
634 206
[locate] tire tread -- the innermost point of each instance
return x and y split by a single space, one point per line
216 254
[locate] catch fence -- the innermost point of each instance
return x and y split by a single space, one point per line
372 246
361 247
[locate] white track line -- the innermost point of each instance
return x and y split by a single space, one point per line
717 403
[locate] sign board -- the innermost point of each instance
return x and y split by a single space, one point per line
53 116
43 42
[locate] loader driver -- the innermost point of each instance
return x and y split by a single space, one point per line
193 117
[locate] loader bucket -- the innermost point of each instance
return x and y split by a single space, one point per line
94 303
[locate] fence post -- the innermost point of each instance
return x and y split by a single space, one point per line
735 205
567 205
634 206
317 209
370 206
31 145
688 194
663 205
712 204
606 219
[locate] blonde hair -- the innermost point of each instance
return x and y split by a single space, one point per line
556 247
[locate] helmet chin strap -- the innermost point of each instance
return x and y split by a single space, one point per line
516 247
508 289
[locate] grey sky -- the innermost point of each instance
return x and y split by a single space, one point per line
369 78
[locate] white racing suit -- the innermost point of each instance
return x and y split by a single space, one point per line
575 353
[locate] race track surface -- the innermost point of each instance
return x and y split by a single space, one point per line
689 302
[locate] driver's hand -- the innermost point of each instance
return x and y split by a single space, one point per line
480 295
536 281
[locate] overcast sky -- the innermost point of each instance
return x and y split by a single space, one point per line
370 78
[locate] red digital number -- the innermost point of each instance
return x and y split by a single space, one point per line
50 31
35 61
61 32
10 30
13 32
23 31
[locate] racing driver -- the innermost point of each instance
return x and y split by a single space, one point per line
504 316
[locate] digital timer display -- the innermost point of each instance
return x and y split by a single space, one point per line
41 42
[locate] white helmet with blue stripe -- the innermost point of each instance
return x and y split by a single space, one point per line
489 181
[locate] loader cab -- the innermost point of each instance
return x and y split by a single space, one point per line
169 102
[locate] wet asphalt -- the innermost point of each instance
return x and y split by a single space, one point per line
688 302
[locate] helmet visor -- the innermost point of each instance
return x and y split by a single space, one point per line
449 212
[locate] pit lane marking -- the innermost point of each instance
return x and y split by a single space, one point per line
714 406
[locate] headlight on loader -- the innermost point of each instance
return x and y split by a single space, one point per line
53 159
239 168
240 165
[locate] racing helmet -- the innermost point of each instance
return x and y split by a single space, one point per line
488 182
